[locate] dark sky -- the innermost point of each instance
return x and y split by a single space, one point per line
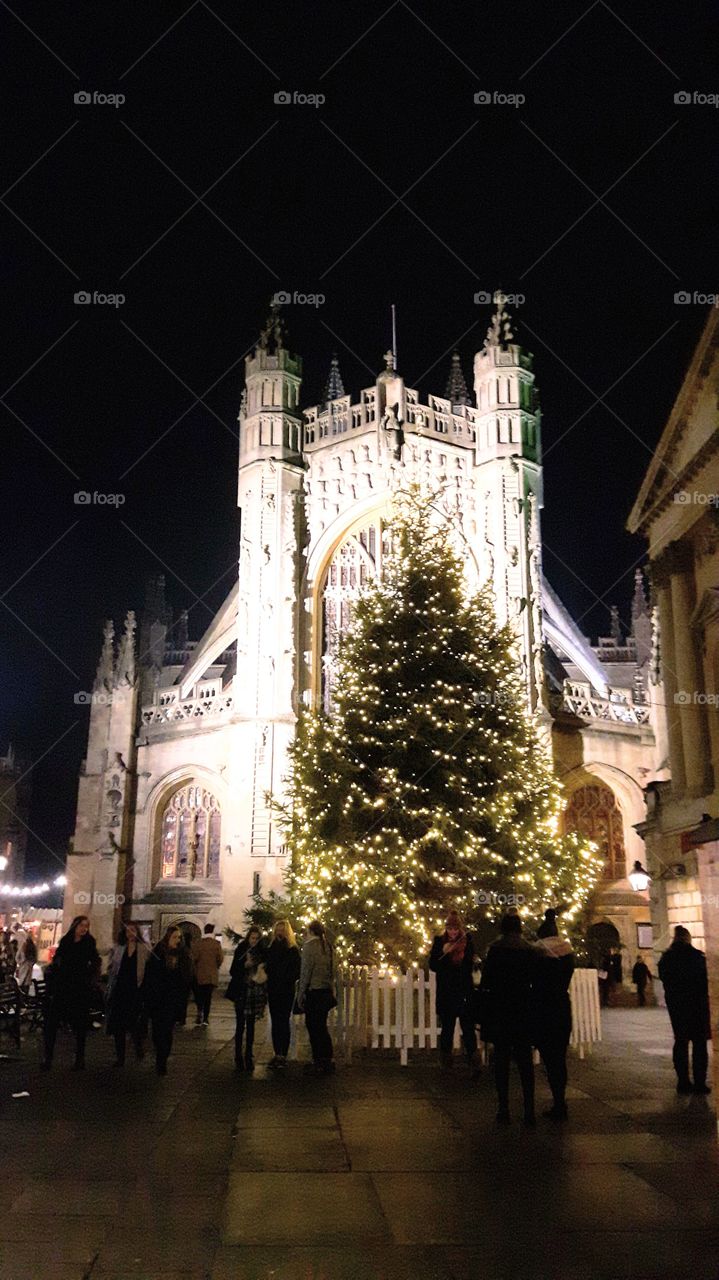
596 198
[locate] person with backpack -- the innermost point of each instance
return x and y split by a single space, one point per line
506 994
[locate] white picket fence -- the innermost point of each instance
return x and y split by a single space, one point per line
385 1009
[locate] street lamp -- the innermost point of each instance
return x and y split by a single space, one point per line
639 878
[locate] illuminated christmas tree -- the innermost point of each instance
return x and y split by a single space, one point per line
428 786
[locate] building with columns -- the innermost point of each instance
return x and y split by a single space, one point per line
677 511
187 738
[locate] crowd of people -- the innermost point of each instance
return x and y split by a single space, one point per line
518 997
150 988
521 1002
18 956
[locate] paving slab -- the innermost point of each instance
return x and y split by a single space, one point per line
302 1208
292 1149
612 1148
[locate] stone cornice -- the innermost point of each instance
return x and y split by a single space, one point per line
645 507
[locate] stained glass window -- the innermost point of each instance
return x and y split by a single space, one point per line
593 812
191 825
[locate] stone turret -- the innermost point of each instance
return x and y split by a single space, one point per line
270 419
98 869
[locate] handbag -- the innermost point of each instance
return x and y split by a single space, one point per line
259 976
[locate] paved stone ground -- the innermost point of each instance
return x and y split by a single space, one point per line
378 1172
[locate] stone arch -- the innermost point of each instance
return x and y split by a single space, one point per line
601 936
320 556
156 804
628 795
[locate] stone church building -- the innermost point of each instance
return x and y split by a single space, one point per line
186 737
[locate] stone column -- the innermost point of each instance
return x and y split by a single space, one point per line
692 716
662 592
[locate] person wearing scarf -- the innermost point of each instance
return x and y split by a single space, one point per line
452 959
553 1009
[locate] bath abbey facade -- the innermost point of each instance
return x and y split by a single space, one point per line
188 737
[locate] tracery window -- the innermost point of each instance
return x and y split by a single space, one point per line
191 835
355 562
593 812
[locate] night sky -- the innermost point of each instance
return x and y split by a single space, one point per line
596 199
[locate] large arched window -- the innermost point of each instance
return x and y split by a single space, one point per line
191 835
358 559
593 812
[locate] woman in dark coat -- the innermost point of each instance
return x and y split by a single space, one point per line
452 959
71 979
552 1012
168 974
283 970
123 997
248 991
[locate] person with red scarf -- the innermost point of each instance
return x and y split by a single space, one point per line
452 959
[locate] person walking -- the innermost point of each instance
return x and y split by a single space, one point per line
123 1000
71 979
248 991
207 956
316 996
452 959
26 958
283 970
165 988
506 1001
552 1011
683 971
640 977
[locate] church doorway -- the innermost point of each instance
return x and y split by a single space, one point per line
602 937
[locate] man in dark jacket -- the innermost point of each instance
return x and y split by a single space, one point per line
640 978
553 1010
683 971
452 959
506 999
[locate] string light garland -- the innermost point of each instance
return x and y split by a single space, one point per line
428 786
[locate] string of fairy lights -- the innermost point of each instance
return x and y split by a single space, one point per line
429 786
